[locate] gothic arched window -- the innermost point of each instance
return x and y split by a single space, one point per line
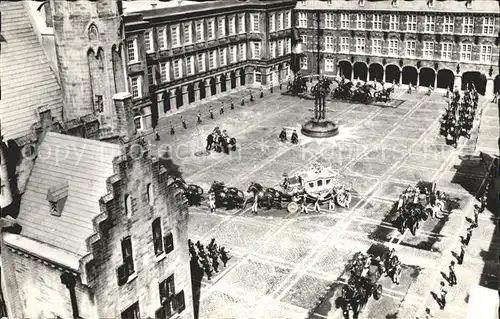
93 33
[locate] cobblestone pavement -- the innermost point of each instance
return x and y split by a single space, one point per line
292 266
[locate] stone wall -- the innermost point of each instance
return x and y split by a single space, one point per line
134 173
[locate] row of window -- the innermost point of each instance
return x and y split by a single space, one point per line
204 30
428 48
448 24
162 246
170 302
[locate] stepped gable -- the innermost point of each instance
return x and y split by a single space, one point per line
85 165
26 77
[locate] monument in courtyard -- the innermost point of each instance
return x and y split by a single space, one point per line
319 126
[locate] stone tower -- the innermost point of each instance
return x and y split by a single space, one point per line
89 37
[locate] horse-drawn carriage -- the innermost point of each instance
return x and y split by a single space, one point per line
319 183
365 271
192 192
384 95
298 86
220 141
230 197
417 203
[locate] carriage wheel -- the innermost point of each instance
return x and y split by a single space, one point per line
378 292
292 207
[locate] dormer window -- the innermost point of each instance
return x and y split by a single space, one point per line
128 206
57 196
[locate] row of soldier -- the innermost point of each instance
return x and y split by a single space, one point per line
459 115
206 259
452 278
211 110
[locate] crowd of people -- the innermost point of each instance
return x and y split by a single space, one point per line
220 141
205 260
459 114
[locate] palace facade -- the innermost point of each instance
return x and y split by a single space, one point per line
426 43
182 52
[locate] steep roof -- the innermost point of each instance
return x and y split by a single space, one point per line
27 79
85 165
455 6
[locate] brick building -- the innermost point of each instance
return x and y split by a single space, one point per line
426 43
103 233
181 52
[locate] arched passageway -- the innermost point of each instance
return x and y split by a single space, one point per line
223 83
190 93
427 77
166 101
178 97
446 79
345 69
376 72
202 90
476 78
242 77
496 86
410 75
233 80
360 71
392 74
213 88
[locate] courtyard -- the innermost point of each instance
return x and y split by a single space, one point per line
291 265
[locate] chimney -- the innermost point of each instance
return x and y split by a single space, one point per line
5 192
153 5
125 114
57 196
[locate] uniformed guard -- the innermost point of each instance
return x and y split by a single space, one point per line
184 125
271 89
242 101
157 136
215 263
232 104
442 295
316 206
304 208
211 202
211 112
222 108
452 278
397 273
281 84
462 254
208 270
251 96
261 92
476 215
429 91
198 120
283 135
224 257
255 204
172 131
331 204
409 88
295 137
495 98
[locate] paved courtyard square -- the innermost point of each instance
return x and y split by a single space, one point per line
293 265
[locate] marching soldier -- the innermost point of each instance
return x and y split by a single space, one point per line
232 104
255 204
295 137
211 202
222 108
452 277
283 135
442 295
224 256
198 120
215 263
211 112
172 131
208 271
183 122
462 254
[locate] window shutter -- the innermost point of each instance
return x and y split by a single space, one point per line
180 301
175 304
160 313
122 273
169 243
